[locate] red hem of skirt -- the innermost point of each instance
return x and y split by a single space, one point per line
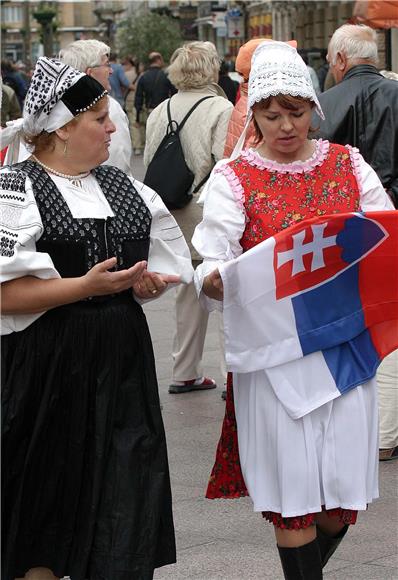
345 516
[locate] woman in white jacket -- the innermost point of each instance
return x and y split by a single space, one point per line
194 72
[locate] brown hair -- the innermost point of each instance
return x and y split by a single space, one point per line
286 101
46 141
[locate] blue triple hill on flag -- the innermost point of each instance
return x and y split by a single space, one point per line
320 300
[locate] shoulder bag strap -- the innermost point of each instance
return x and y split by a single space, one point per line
179 126
192 110
206 177
203 181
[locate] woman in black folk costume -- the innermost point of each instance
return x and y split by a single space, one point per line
86 490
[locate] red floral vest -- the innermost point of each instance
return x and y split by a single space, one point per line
274 200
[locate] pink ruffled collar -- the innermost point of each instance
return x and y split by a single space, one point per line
320 152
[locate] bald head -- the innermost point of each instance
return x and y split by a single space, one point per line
155 58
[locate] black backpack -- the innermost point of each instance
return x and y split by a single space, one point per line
168 174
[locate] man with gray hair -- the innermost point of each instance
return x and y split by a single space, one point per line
362 108
92 58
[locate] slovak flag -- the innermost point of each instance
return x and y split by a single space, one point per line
315 307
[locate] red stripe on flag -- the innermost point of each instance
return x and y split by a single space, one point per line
378 286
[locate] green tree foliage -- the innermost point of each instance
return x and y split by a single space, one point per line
143 34
45 15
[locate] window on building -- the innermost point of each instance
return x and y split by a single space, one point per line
11 13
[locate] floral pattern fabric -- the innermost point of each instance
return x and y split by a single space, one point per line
275 197
226 479
275 200
302 522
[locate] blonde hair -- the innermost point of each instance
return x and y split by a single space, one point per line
355 41
194 65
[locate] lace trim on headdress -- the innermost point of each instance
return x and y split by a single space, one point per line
277 68
271 81
317 158
355 162
294 92
234 184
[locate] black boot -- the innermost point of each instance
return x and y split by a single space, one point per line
303 563
329 544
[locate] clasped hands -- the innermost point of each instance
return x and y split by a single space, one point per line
100 281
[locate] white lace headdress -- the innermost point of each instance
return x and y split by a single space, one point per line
276 68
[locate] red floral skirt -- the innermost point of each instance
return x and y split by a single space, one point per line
226 479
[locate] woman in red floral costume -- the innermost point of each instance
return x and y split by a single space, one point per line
304 474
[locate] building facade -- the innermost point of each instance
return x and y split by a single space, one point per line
22 35
226 23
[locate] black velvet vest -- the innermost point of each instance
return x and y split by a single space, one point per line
76 245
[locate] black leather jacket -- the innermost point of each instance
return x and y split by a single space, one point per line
362 110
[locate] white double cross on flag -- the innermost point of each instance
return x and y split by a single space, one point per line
300 249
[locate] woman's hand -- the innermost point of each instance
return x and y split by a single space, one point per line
30 295
213 286
153 284
99 281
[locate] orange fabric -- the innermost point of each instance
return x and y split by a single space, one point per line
377 13
236 124
244 58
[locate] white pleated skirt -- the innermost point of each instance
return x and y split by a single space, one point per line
327 458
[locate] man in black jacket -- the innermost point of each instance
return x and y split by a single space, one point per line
362 108
153 87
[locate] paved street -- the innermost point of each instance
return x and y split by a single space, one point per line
225 539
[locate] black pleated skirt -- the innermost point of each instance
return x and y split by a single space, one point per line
85 479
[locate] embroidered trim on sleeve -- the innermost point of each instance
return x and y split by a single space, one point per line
234 184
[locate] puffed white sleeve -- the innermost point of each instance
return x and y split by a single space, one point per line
168 250
21 227
373 196
217 237
120 150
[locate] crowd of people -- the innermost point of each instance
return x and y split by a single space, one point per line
86 486
125 74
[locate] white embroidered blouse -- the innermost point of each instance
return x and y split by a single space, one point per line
168 252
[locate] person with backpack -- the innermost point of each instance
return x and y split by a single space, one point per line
194 72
